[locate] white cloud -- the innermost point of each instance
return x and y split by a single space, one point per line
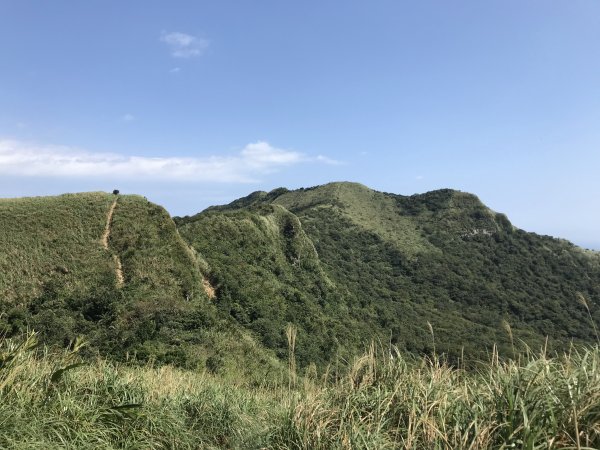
184 45
255 159
175 70
128 117
328 160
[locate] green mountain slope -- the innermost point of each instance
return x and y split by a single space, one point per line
343 263
401 268
114 270
52 238
267 274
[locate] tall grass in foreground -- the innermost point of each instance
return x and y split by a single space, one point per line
49 401
387 402
384 401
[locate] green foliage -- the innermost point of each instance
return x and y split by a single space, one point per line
58 275
386 266
385 400
52 241
342 263
267 274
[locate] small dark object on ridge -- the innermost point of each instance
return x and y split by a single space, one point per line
116 192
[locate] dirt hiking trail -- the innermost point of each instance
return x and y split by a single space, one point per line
105 237
109 217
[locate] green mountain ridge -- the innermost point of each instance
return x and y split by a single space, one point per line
403 264
61 262
346 265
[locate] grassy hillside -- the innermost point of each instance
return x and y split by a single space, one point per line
156 262
114 270
52 240
267 274
264 305
66 244
437 272
433 271
364 208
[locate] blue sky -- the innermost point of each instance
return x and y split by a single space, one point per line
198 103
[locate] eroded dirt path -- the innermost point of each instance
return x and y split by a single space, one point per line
209 289
109 217
119 271
105 237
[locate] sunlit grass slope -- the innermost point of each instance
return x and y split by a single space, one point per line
57 243
114 269
47 240
368 209
156 262
383 401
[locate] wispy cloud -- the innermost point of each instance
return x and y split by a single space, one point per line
175 70
254 160
184 45
127 117
327 160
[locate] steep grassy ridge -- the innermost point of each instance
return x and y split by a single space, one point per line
52 240
432 271
370 210
65 243
267 274
156 262
60 266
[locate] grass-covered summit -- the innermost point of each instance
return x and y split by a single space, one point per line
71 244
437 271
114 270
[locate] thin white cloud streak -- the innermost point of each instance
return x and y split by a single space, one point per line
184 45
328 160
255 159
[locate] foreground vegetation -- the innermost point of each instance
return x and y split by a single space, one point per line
383 401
